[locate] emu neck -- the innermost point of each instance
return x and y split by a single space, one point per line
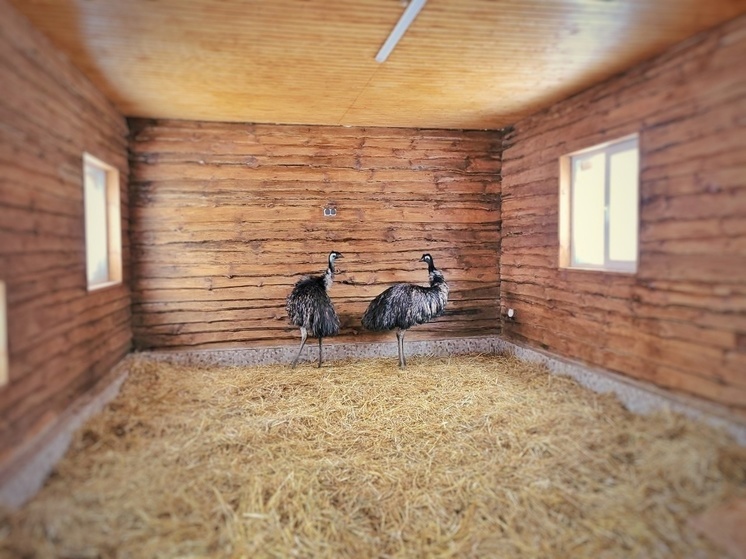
436 277
329 276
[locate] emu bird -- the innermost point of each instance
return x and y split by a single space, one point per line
310 308
404 305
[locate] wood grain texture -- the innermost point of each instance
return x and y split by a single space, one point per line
463 64
227 217
62 339
680 322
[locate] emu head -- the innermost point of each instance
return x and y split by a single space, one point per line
429 259
333 255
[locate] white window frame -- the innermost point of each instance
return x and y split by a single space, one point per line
113 225
566 257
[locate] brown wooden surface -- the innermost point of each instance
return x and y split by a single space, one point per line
227 217
463 64
680 322
62 339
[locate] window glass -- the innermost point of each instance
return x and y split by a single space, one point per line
96 227
103 236
588 210
623 204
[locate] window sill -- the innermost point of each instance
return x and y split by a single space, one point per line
604 270
100 286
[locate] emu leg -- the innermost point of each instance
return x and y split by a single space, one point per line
303 336
400 344
320 338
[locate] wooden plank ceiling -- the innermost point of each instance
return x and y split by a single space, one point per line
462 64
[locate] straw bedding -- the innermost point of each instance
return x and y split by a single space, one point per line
470 456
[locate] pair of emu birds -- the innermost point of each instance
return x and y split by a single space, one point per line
401 306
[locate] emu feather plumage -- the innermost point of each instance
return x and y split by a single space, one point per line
310 308
404 305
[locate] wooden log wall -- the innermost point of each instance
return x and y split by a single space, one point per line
227 217
62 339
680 322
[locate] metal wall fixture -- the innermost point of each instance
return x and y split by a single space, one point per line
399 29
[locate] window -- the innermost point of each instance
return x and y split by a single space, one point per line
599 207
103 236
3 336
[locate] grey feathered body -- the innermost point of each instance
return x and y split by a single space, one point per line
310 307
405 305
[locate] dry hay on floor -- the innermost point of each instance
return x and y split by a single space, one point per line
478 456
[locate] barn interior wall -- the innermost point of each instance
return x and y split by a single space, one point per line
680 322
226 217
63 340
